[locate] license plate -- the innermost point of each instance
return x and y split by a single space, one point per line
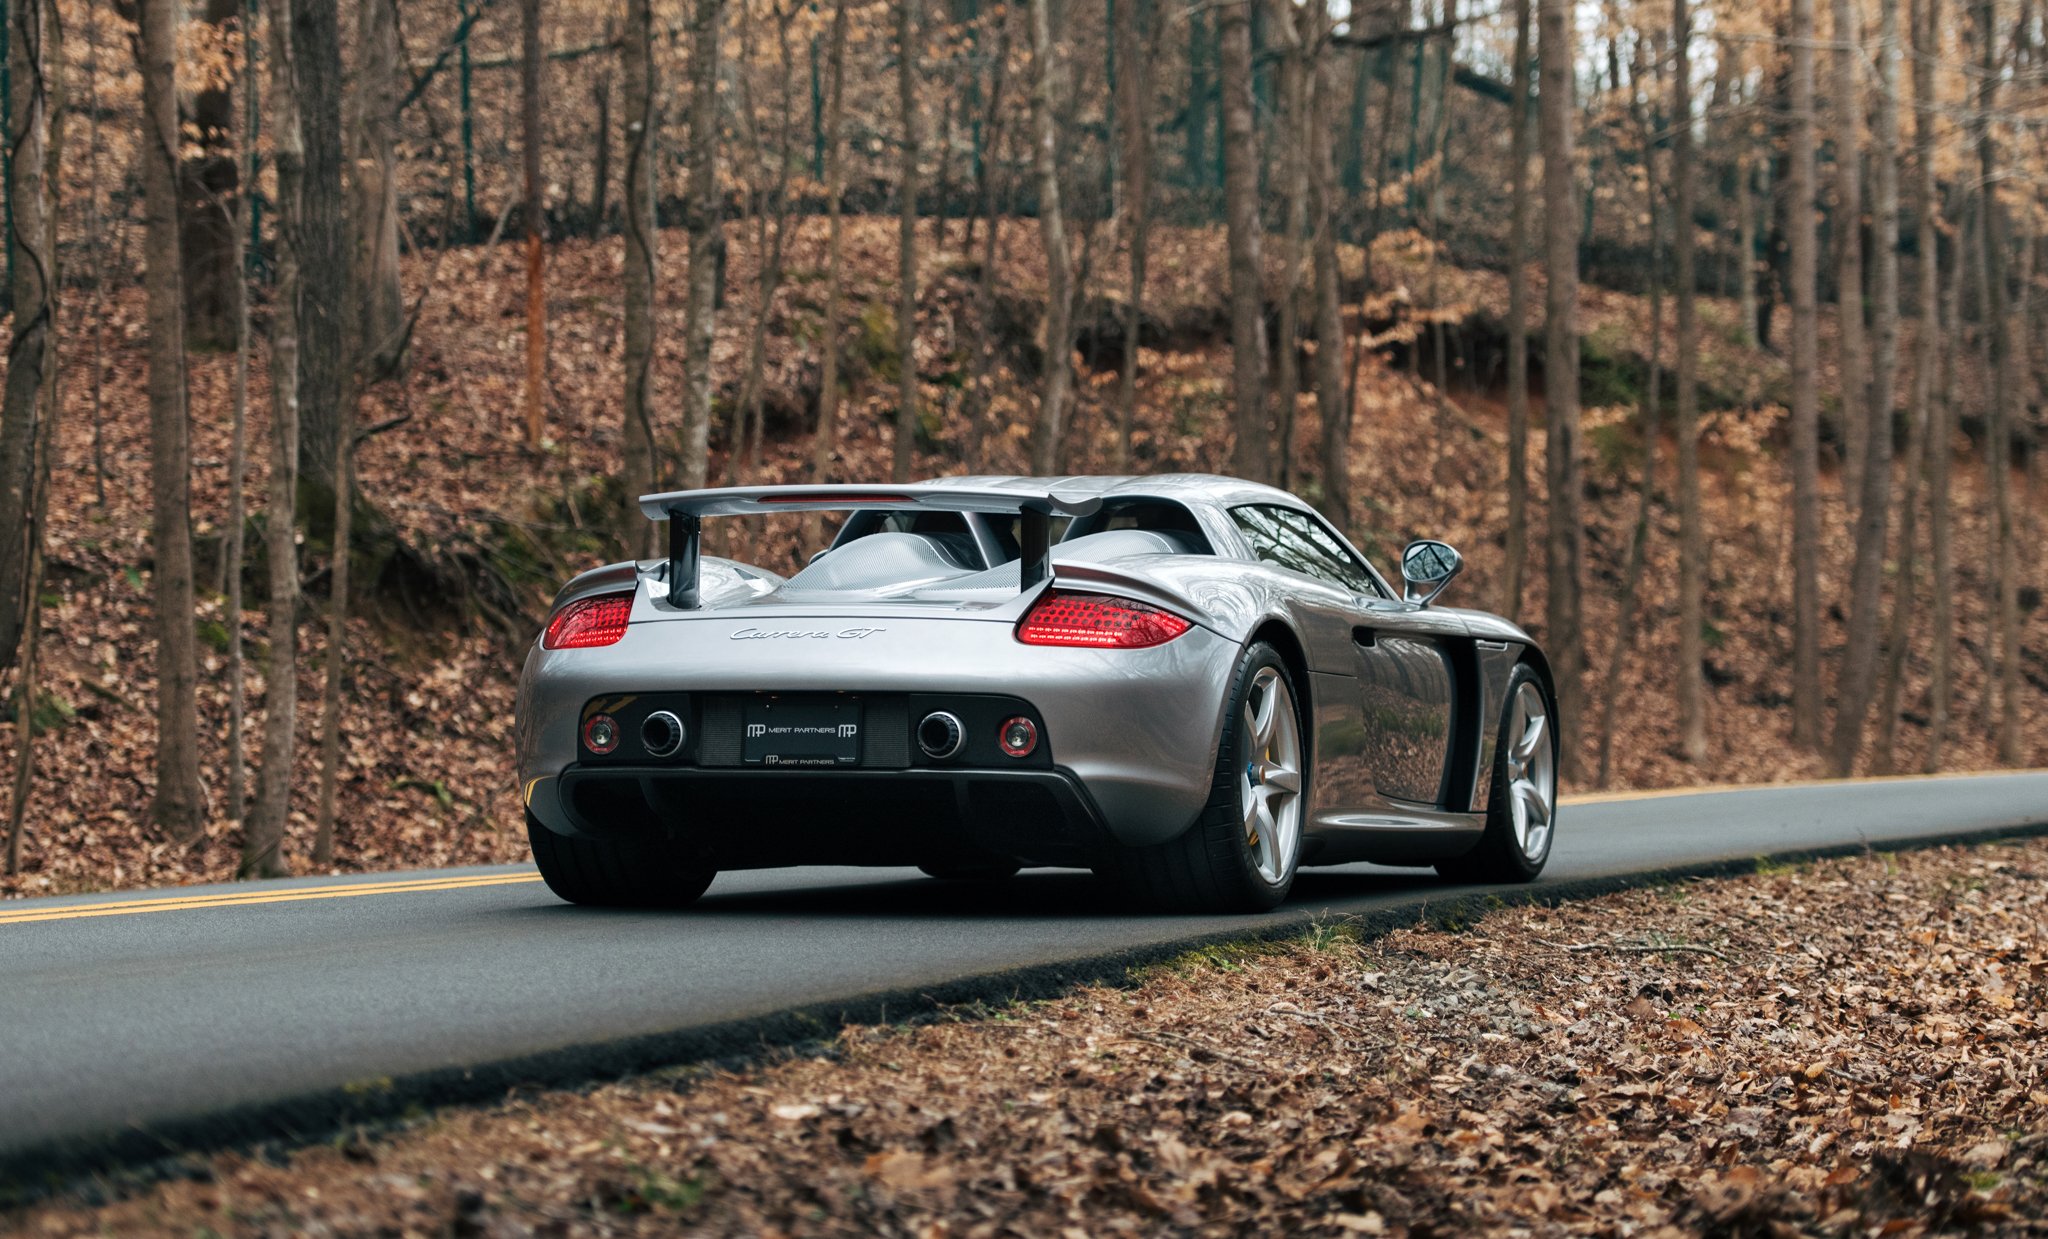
781 732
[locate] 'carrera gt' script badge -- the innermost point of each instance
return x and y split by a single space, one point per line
801 634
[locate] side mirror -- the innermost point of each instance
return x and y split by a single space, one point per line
816 556
1428 568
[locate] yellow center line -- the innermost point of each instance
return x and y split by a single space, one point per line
235 899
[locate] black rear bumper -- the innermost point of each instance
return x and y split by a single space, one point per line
756 819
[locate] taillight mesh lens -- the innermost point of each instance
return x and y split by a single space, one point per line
1099 621
589 622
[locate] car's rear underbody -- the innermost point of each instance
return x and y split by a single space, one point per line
1122 742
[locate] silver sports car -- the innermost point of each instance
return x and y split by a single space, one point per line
1193 685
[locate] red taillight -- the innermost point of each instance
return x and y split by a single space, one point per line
1099 621
589 622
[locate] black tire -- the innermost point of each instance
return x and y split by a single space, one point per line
969 871
1499 857
1210 867
617 873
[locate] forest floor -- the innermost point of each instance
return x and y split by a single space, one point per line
479 529
1852 1046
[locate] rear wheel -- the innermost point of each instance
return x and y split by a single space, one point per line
1241 853
1521 812
626 872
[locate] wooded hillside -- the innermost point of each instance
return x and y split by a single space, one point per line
1714 335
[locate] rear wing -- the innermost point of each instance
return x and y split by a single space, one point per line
685 510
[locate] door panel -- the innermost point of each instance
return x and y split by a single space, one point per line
1405 693
1343 782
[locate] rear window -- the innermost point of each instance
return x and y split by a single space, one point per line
1152 515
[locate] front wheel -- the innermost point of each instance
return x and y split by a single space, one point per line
625 872
1242 851
1521 812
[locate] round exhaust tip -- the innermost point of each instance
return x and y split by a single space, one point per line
662 734
940 735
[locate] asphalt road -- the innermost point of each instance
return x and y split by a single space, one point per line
133 1024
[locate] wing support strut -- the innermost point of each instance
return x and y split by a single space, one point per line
1035 541
685 540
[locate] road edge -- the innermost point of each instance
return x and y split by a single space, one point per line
118 1162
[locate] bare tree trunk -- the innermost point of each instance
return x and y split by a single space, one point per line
985 277
1439 129
337 642
1931 402
1799 221
1940 492
176 809
1866 587
263 840
771 242
1518 323
38 535
25 688
535 399
238 458
601 152
1048 76
1650 409
704 221
1853 346
942 151
825 440
1885 760
906 241
1291 171
2004 388
324 301
1135 33
643 124
32 262
1333 405
1566 538
207 187
373 219
98 265
36 83
1745 243
1248 455
1692 541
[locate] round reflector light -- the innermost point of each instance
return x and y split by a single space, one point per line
1019 737
600 733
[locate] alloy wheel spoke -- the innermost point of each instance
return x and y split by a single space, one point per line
1269 843
1535 734
1262 725
1270 786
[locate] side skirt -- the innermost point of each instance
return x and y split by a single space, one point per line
1396 834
